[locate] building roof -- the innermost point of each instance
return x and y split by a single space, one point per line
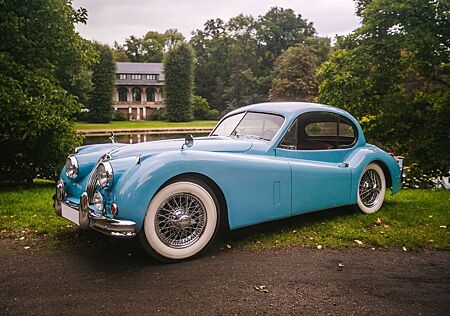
139 68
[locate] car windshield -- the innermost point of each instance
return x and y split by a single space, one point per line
250 125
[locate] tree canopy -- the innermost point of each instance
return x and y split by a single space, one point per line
42 60
235 58
392 73
150 48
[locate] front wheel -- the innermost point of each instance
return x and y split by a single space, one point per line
371 189
181 221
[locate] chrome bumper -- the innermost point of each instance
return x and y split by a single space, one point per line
89 219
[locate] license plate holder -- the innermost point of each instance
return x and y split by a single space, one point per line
70 213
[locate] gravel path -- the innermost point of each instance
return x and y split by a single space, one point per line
114 277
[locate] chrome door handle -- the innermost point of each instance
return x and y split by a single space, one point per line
343 165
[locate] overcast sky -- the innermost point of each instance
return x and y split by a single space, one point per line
114 20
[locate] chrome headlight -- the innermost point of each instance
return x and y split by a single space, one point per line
72 167
97 200
104 174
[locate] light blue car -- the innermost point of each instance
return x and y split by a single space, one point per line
262 162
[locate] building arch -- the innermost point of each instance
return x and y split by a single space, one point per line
137 94
151 94
123 94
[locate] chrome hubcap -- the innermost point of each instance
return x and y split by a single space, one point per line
180 220
370 188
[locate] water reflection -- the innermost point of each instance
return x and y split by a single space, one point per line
133 138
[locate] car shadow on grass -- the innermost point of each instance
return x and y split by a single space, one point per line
295 222
98 249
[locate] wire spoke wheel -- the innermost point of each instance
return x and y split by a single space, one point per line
180 220
371 189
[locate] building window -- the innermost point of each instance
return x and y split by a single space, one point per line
151 77
121 76
136 92
123 94
136 77
151 95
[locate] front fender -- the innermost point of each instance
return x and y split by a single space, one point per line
260 185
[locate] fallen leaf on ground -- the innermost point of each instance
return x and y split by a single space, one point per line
404 248
319 247
261 288
26 247
378 221
340 265
228 246
359 242
22 238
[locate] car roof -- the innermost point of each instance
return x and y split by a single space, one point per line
291 110
288 109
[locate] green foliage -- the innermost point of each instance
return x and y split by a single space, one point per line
392 74
43 64
235 58
35 128
149 49
201 109
179 82
294 75
118 116
103 79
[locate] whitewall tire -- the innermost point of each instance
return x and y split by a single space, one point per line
371 189
181 221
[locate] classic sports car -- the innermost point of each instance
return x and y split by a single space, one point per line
260 163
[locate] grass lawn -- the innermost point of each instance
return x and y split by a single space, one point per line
412 219
142 124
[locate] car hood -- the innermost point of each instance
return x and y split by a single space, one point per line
214 144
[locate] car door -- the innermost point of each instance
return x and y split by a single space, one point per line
316 147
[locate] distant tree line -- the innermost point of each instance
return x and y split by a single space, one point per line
234 60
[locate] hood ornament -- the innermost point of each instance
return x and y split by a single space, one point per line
188 142
112 138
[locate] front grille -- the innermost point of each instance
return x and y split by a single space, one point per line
92 180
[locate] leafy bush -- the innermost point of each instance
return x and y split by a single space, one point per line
35 128
157 115
118 116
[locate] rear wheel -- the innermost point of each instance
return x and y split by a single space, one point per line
371 189
181 221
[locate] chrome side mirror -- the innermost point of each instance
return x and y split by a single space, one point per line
188 141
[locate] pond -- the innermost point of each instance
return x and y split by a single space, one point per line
132 138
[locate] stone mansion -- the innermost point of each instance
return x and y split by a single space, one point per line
138 89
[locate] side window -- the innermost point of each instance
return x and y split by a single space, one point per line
320 131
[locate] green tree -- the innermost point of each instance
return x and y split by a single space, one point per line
235 58
103 78
42 59
179 82
150 48
392 74
295 75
